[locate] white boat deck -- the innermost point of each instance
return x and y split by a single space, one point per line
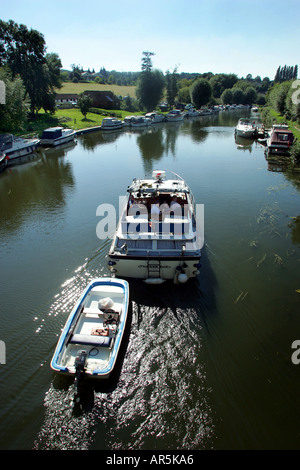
92 333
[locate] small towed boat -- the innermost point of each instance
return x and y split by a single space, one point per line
90 341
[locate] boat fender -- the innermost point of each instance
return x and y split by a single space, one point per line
178 271
182 278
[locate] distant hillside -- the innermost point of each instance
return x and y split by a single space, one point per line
69 87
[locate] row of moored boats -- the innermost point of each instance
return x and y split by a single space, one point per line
12 147
138 122
175 115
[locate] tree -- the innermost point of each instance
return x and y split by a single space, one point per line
250 95
184 95
172 88
24 52
13 113
276 97
84 103
227 96
221 82
201 92
237 95
286 73
150 85
146 61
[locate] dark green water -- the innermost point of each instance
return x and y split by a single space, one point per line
206 365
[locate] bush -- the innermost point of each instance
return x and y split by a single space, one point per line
105 112
295 150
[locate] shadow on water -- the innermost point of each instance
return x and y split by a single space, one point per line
197 295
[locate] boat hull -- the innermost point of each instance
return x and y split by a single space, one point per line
155 269
88 330
3 162
59 141
111 128
22 151
245 133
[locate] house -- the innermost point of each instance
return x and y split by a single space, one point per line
90 76
66 99
103 99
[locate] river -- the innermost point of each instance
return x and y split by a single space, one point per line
204 365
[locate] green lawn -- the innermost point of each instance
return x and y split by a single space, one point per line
69 118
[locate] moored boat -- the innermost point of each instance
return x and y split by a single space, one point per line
155 117
190 111
158 237
15 147
127 121
280 139
111 124
175 115
140 121
91 338
245 128
54 136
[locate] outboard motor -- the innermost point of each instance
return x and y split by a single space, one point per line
80 363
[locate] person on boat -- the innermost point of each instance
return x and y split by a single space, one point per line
131 200
165 210
155 212
175 207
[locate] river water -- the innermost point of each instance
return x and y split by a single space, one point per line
205 365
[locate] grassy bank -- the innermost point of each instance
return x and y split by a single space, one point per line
72 118
270 117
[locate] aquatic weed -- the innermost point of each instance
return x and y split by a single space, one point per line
277 260
261 260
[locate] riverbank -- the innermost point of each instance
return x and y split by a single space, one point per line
270 117
72 118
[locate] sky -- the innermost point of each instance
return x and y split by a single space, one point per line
219 36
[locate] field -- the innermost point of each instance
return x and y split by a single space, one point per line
69 87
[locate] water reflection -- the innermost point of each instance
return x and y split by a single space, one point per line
295 229
34 189
243 144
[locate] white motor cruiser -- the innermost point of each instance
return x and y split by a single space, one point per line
158 236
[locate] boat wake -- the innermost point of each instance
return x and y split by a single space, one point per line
158 399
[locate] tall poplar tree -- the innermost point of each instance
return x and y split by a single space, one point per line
150 84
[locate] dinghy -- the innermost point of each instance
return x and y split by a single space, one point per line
91 339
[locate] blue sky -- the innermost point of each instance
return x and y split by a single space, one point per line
230 36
